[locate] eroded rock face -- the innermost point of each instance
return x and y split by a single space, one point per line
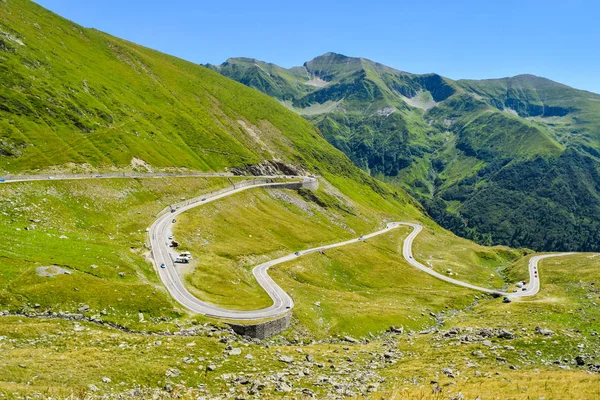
269 167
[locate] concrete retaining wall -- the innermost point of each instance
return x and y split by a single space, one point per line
263 330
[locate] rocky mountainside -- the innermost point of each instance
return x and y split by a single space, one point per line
514 161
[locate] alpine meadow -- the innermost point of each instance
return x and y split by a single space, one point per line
337 230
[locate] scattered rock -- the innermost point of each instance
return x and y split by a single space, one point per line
172 373
544 331
399 330
283 387
350 339
478 354
505 334
448 372
235 351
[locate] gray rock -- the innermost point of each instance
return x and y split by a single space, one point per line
350 339
286 359
235 351
478 354
505 334
283 387
448 372
544 331
172 373
399 330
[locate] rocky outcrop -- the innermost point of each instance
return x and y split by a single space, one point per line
269 167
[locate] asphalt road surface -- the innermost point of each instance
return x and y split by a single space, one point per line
129 175
531 289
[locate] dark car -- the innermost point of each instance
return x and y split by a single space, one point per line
297 253
162 265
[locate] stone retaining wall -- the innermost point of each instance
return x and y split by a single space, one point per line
263 330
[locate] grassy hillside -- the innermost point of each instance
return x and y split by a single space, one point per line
488 348
59 106
356 289
87 316
469 150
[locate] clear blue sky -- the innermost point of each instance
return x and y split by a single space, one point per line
476 39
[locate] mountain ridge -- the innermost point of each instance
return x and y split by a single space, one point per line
445 140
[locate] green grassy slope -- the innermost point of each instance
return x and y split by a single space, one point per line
449 144
60 106
55 358
96 230
359 288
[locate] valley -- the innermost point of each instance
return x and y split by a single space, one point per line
420 237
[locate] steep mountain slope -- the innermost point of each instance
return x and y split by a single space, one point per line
60 108
513 161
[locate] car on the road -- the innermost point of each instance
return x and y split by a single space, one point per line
162 265
523 288
174 220
170 237
360 238
297 253
514 290
51 177
2 179
204 199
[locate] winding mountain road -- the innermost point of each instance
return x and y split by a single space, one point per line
531 289
282 302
